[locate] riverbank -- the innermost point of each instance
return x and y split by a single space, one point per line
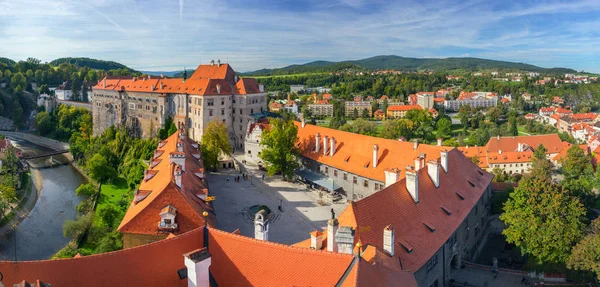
31 190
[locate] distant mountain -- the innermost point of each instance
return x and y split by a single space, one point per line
390 62
158 73
7 61
92 64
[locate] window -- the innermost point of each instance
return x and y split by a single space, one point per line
241 112
251 111
335 172
210 103
167 221
354 179
222 101
326 170
222 112
365 183
345 176
210 113
131 106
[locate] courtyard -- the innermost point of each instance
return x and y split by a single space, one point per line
301 211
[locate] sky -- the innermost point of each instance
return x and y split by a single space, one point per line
168 35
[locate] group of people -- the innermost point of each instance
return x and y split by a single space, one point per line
244 176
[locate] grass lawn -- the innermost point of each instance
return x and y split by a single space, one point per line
523 132
110 194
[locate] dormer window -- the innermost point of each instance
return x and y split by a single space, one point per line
167 218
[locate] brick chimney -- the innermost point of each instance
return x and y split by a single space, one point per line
434 172
417 163
325 138
104 82
391 176
444 160
375 155
197 263
388 240
415 144
177 174
439 141
412 184
317 142
316 240
331 146
332 227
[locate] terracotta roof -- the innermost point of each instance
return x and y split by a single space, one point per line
404 108
510 157
472 151
379 112
394 206
563 153
323 102
551 142
327 97
561 110
246 86
202 87
223 71
354 152
548 110
439 100
153 264
263 126
142 217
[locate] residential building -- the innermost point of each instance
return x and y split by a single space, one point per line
64 92
425 100
398 112
321 109
291 107
296 88
171 199
359 106
379 115
275 107
473 99
213 92
252 146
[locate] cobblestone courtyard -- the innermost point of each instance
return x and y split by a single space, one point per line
300 214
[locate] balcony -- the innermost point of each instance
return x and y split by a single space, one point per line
167 227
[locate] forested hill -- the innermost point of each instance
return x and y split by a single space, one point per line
391 62
7 61
92 64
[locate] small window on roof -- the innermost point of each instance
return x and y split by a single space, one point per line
446 210
480 172
406 246
347 159
462 197
471 183
429 226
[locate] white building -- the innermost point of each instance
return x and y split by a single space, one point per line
63 92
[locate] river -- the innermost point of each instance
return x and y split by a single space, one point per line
39 235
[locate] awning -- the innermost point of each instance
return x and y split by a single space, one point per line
318 179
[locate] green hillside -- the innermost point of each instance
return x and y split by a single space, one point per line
92 64
410 64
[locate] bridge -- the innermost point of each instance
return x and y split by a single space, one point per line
46 154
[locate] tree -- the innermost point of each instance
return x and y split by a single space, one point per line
87 189
586 254
44 123
76 87
214 143
109 215
99 169
578 171
384 105
11 168
75 228
167 130
280 152
365 114
7 197
18 82
540 152
355 113
542 219
444 127
475 160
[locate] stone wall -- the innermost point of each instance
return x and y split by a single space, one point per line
42 141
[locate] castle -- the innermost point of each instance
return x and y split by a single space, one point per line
213 92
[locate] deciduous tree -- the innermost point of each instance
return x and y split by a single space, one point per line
280 152
586 254
214 143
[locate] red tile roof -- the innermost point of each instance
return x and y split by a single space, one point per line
327 97
160 190
223 71
153 264
354 152
510 157
551 141
404 108
246 86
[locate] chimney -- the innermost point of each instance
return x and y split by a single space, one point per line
498 137
391 176
219 63
152 87
316 240
499 151
178 159
261 88
180 146
303 122
415 144
162 76
212 63
134 79
197 264
331 146
439 141
412 184
317 143
344 238
261 225
434 172
520 147
161 85
218 88
444 160
332 227
177 174
375 155
325 145
104 82
388 240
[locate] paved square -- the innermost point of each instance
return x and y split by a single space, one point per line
301 212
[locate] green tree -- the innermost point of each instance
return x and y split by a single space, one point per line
75 228
18 82
586 254
355 113
214 143
543 220
280 152
475 160
444 127
384 105
76 87
11 168
44 123
86 189
7 197
99 169
109 215
577 171
540 152
365 114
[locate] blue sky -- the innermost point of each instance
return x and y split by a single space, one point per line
167 35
